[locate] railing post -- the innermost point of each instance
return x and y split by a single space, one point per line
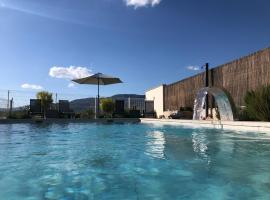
206 85
8 99
10 107
129 103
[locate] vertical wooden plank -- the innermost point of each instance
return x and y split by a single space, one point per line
236 77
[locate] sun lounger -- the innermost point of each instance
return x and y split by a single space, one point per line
149 111
119 108
64 109
35 107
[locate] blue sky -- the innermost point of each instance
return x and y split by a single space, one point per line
144 42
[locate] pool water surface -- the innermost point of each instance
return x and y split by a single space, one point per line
131 161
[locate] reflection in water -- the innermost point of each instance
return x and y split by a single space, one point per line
200 145
156 144
90 161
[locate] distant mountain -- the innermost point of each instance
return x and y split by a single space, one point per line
80 105
124 96
15 109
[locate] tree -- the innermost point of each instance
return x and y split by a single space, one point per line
46 99
258 104
107 106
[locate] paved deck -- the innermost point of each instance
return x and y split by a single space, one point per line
226 125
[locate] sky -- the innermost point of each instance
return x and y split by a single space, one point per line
46 43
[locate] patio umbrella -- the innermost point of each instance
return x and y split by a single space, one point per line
98 79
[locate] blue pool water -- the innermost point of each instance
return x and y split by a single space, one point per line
131 161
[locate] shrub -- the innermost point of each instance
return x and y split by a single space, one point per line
20 114
107 106
242 114
46 99
258 104
88 114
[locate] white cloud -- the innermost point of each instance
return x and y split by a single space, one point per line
193 68
71 72
31 86
142 3
71 85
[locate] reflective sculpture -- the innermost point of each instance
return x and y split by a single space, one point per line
222 101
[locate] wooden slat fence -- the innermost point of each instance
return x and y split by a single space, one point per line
236 77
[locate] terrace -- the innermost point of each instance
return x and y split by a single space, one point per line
204 135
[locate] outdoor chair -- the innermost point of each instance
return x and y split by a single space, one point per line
134 113
52 113
119 108
176 115
64 109
35 107
182 113
149 111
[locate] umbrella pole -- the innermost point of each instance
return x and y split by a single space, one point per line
97 115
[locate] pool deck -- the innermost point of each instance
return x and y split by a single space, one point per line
250 126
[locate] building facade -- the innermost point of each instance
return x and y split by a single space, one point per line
156 95
132 101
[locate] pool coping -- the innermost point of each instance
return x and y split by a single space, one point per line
251 126
225 125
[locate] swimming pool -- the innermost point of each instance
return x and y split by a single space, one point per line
131 161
